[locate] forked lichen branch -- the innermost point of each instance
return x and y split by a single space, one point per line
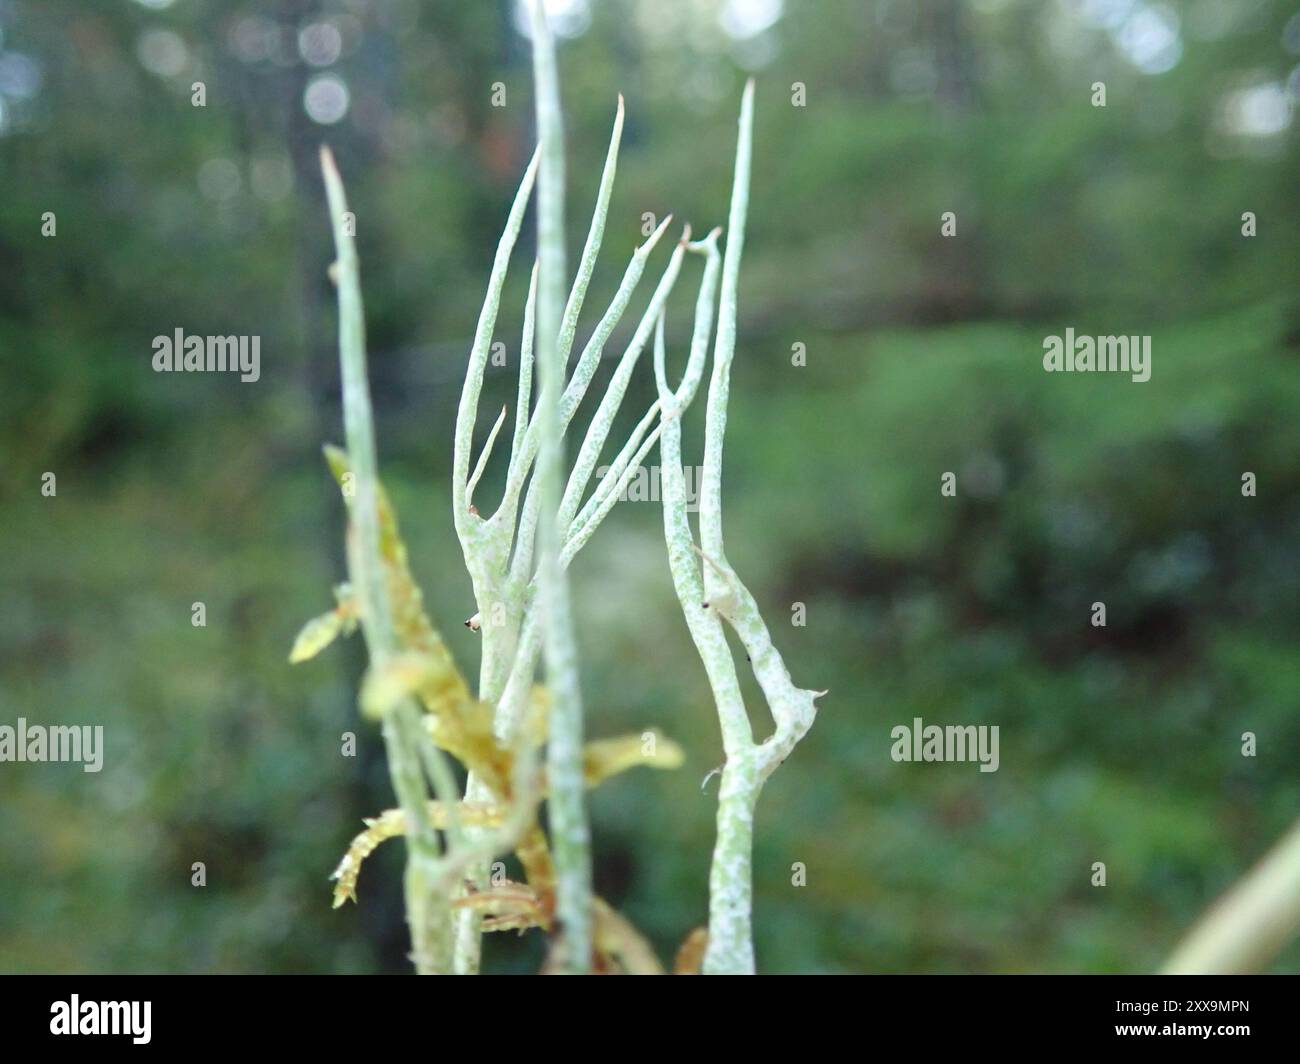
517 560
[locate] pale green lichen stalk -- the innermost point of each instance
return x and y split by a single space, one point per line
517 561
570 834
711 593
504 553
1249 925
428 910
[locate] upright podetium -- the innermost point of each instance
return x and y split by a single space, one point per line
517 560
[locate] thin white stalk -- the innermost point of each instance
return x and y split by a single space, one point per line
483 545
521 565
730 878
1251 923
467 411
595 346
638 445
591 249
524 396
612 488
703 317
521 458
793 708
722 596
570 834
574 392
514 698
428 911
724 347
510 608
602 421
483 457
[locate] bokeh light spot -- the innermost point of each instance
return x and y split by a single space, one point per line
326 99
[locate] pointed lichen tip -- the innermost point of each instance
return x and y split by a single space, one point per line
645 249
329 167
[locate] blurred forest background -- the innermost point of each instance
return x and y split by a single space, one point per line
1120 744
